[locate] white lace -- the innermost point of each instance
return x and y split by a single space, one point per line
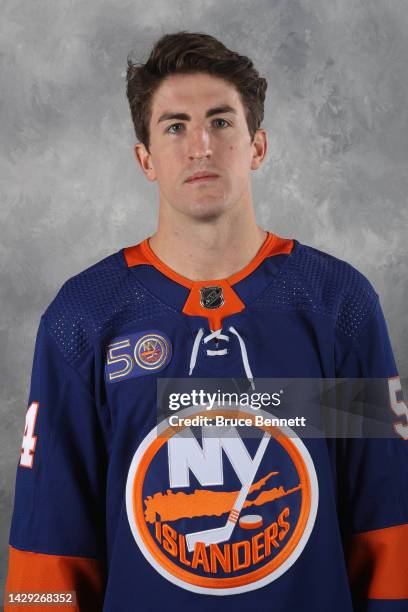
213 352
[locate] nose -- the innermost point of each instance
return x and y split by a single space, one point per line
199 144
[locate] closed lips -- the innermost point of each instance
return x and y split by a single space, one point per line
201 175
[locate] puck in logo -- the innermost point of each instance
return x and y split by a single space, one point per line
251 521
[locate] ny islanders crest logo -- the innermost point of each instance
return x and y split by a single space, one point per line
218 512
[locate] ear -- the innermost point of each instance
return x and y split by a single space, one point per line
259 148
144 159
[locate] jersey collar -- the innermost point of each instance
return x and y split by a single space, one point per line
143 254
214 299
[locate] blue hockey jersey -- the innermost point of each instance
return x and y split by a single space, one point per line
131 519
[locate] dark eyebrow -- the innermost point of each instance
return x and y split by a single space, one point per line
218 110
168 116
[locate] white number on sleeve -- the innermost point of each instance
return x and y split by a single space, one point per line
398 406
29 439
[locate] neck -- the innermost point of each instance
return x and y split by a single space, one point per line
207 249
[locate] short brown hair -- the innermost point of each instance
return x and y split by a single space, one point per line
189 52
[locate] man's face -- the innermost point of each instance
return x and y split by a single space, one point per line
198 125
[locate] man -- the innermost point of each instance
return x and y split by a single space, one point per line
130 517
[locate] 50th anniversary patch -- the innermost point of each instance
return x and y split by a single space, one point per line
221 514
137 355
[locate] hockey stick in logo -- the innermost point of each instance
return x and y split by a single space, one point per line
221 534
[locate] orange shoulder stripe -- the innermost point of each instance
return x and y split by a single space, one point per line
32 572
135 255
378 563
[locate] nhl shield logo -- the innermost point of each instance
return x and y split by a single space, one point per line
211 297
221 515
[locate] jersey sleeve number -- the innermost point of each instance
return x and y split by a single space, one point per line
398 406
29 439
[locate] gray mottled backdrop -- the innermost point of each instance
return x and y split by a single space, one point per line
336 176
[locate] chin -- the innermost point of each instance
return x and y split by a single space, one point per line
209 207
207 210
